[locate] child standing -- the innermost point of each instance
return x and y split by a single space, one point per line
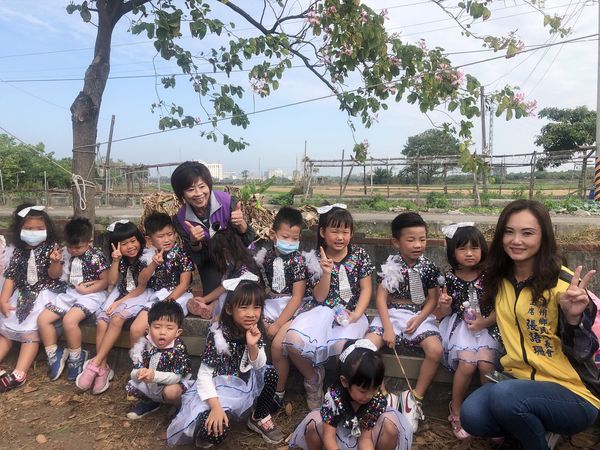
126 300
230 258
171 269
284 273
32 279
355 411
469 343
233 374
407 294
84 270
161 365
340 278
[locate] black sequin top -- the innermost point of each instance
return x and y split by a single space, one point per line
136 267
93 263
338 411
294 269
173 360
167 275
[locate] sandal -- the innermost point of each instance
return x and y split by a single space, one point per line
457 429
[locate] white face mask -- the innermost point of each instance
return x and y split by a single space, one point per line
33 237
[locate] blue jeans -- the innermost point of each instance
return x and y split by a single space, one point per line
527 410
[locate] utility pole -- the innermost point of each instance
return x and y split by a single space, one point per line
597 167
106 164
483 140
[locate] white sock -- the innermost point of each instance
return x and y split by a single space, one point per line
19 375
74 353
280 395
51 350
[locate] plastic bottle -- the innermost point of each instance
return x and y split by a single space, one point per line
469 312
341 316
472 306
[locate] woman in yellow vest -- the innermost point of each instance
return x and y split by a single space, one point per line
551 386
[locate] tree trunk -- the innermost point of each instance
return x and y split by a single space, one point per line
85 110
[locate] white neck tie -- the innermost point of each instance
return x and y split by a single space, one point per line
344 284
278 283
32 275
76 275
416 287
129 281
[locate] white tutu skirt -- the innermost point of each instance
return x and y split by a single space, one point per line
159 296
235 396
400 317
89 303
128 309
345 440
317 336
461 344
26 331
274 307
153 391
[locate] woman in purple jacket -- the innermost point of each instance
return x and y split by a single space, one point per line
203 213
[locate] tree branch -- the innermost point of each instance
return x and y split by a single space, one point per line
128 6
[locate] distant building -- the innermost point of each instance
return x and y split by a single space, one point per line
277 173
215 169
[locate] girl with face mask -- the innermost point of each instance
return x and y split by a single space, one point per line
31 280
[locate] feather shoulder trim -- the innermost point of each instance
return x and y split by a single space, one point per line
391 273
221 343
137 350
313 265
6 252
147 255
260 256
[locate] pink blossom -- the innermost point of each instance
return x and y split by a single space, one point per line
331 10
384 14
346 50
520 45
312 17
259 86
197 120
394 61
520 97
458 78
364 17
421 44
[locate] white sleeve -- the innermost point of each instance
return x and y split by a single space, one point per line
166 377
259 362
204 383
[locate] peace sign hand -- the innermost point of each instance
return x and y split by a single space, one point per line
326 263
444 299
575 299
116 252
56 254
158 257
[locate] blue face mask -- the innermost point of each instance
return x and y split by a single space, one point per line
33 237
285 247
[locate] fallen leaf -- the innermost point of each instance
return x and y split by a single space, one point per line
101 436
58 400
289 409
105 425
126 424
41 439
30 388
72 416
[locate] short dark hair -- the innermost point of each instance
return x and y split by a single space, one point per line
168 310
18 221
336 217
288 215
406 220
78 230
124 231
362 367
463 236
246 293
156 221
186 173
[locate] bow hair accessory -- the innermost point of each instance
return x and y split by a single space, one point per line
361 343
26 211
451 229
112 226
232 283
325 209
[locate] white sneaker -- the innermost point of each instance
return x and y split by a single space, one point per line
314 390
393 401
552 439
411 408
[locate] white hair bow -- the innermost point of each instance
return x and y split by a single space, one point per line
232 283
111 227
450 230
361 343
325 209
26 211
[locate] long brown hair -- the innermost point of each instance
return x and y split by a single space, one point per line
547 264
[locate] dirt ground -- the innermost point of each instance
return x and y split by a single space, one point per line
54 415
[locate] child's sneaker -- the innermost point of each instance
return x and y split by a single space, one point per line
57 363
75 366
142 409
411 408
85 379
266 428
314 390
8 382
102 381
393 401
552 439
277 404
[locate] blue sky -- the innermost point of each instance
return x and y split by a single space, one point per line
42 42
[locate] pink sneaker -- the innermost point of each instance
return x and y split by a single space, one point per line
86 378
102 381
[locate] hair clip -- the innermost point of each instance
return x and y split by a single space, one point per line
325 209
361 343
111 227
26 211
232 283
450 230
